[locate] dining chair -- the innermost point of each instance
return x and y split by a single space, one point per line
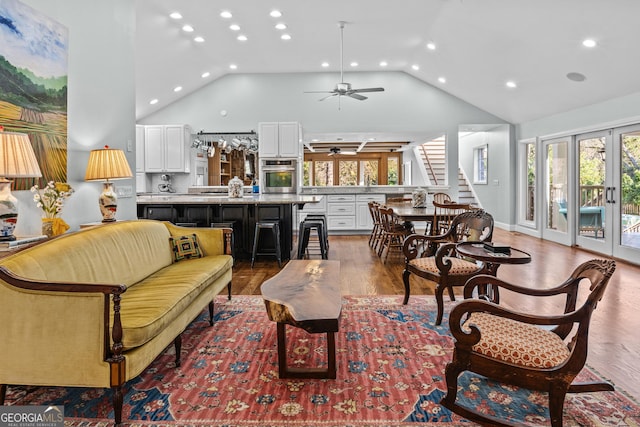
393 232
529 350
376 231
441 197
443 214
435 257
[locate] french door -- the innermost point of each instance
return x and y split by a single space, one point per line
607 203
557 209
626 193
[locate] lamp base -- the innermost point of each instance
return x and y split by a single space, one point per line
9 211
108 203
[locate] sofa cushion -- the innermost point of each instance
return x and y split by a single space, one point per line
153 303
185 247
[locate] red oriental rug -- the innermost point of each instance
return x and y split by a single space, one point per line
390 360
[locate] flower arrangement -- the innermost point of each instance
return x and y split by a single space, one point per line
51 198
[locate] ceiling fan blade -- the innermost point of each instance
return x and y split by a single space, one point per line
356 96
318 91
328 96
348 153
368 89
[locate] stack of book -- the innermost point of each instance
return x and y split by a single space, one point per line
20 241
497 247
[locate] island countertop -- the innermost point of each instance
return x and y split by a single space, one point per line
223 199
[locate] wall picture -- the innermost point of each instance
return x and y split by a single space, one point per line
33 86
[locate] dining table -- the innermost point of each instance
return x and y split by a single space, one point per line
408 215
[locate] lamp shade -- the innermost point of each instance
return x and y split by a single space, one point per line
107 163
17 159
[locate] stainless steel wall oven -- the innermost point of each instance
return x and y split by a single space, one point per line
279 176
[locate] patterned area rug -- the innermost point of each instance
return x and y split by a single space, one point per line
390 373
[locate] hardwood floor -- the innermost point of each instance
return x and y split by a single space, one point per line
614 345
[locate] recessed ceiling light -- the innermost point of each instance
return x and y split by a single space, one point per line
511 84
175 15
233 66
275 14
281 26
187 28
234 27
354 64
177 88
226 14
576 77
242 38
285 37
589 43
431 46
442 80
383 63
325 64
206 74
198 39
153 101
415 67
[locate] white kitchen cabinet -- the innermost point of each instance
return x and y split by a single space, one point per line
166 148
139 149
279 139
341 212
363 216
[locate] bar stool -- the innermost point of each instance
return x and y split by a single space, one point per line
322 218
274 226
305 231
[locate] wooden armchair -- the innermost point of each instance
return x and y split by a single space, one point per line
549 351
435 258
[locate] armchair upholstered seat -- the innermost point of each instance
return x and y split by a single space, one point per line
435 257
537 352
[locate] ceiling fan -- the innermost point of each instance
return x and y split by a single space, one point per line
343 88
336 150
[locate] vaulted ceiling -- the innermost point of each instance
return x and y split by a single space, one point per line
475 46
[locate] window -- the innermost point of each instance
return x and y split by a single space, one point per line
369 168
480 164
348 172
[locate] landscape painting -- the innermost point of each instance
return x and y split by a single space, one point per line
33 86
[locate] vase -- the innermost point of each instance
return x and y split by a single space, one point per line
47 227
52 227
419 198
236 187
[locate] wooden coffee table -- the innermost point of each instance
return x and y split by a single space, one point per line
305 294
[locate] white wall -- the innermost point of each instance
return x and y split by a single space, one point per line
614 112
497 195
101 101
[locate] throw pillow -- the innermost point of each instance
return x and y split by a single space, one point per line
185 247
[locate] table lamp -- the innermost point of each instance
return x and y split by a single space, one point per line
107 164
17 160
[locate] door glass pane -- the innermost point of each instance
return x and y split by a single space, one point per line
369 172
530 202
393 171
306 173
591 202
323 173
557 195
348 172
630 190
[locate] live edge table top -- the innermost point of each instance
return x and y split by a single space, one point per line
305 294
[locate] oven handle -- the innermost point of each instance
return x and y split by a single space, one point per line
265 169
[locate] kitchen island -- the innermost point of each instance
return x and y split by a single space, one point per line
241 214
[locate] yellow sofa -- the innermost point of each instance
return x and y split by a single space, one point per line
94 308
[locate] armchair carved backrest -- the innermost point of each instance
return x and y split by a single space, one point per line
534 351
435 257
444 212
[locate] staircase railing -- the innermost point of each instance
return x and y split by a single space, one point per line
429 165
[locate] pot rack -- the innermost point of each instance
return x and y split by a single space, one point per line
209 141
